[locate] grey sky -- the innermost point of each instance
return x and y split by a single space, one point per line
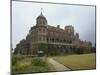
24 16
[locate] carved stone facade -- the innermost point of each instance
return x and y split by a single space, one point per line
51 40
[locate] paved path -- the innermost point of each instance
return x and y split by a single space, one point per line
58 66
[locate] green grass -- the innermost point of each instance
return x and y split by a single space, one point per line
76 62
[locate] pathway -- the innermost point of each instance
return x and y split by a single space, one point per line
58 66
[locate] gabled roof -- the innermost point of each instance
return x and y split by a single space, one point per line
52 28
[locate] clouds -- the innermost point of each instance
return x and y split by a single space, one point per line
24 16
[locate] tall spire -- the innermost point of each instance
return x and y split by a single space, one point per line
41 12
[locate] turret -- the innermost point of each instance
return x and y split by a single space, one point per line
41 20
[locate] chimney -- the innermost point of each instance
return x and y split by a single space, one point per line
58 26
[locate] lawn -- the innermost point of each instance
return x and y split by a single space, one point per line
77 62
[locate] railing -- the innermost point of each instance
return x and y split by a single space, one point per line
53 43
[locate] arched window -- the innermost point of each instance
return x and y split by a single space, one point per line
47 39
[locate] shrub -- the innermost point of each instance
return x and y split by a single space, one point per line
39 62
16 58
40 68
20 68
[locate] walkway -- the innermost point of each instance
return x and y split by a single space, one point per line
58 66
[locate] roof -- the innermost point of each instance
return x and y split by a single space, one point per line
52 28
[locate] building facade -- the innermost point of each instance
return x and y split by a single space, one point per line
51 40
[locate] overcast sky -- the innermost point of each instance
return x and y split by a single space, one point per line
24 16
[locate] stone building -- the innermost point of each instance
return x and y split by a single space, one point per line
51 40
